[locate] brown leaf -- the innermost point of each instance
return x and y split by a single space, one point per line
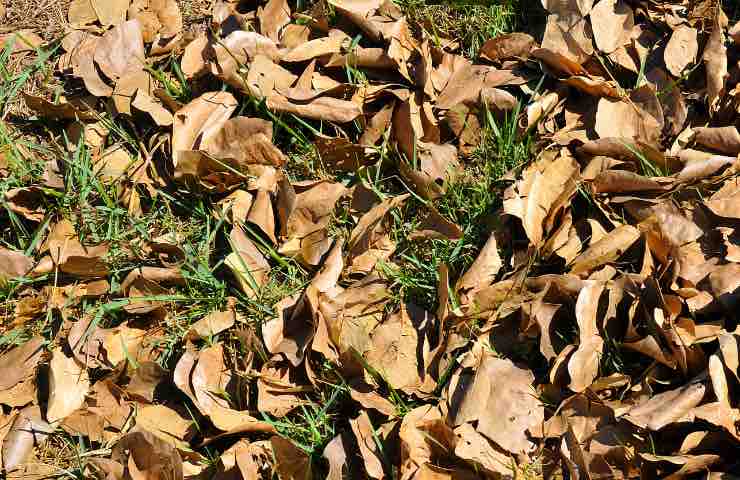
68 386
81 13
569 38
236 421
335 453
147 457
612 22
294 35
484 269
715 60
277 390
159 18
265 77
26 201
13 264
246 262
424 436
144 103
273 18
110 12
583 365
505 408
145 380
394 349
639 118
507 46
315 48
532 198
606 250
364 394
120 50
689 463
165 423
681 50
341 154
434 226
27 431
476 449
212 324
664 408
369 241
722 139
199 119
365 436
291 462
244 141
621 181
322 108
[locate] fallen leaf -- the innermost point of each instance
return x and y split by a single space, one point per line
507 46
583 365
715 60
664 408
504 409
14 264
315 48
199 119
606 250
612 22
147 456
365 436
247 263
110 12
291 462
681 50
68 386
212 324
120 49
540 188
28 431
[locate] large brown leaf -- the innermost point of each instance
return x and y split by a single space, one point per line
120 50
68 386
612 22
500 396
199 119
532 198
681 50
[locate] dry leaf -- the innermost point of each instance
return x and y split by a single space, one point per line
681 50
507 46
505 408
583 365
606 250
148 457
199 119
28 431
612 22
120 49
68 386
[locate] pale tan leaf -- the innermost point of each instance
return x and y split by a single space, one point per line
612 22
68 386
681 50
583 365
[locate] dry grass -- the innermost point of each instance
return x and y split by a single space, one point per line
48 18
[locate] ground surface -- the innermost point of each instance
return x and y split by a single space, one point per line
363 239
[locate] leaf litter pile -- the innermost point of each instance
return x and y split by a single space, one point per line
320 242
